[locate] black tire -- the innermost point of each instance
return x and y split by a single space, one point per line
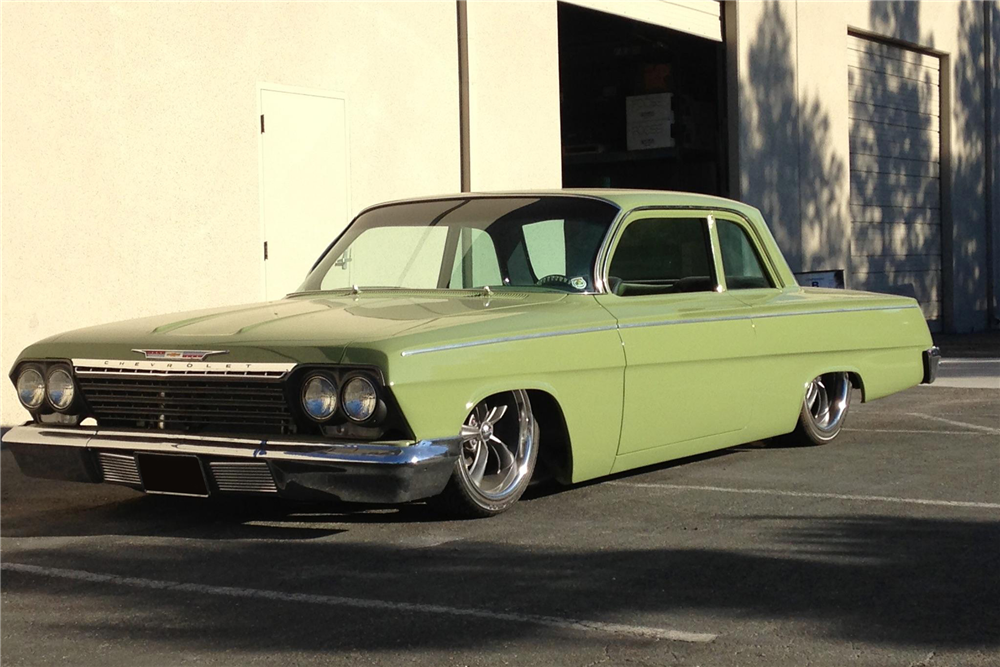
815 429
463 497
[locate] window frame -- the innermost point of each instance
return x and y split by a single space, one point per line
655 213
756 245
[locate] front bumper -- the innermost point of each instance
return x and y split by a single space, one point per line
389 472
932 357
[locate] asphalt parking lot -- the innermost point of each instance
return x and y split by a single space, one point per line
880 549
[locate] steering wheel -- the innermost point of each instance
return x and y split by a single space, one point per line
558 280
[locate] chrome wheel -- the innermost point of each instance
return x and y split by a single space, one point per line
498 445
827 399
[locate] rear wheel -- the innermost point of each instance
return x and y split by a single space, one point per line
824 409
499 449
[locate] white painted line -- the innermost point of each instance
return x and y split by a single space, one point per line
913 430
975 427
363 603
809 494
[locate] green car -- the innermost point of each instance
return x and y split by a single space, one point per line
452 348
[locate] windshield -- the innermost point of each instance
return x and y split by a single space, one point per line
524 242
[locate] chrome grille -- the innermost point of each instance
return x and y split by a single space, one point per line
119 468
243 477
185 403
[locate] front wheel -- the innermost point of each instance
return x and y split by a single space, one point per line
824 408
499 449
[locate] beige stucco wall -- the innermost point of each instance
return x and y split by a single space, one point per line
130 138
793 143
130 144
514 139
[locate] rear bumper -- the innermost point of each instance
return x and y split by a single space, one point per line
932 357
390 472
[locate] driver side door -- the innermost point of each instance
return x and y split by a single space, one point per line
688 343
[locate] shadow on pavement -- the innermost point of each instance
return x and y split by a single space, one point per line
884 580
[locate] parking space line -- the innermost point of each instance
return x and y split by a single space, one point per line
365 603
809 494
975 427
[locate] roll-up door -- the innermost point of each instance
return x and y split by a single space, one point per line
697 17
895 138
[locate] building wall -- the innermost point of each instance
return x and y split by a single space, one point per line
130 145
514 139
130 181
793 129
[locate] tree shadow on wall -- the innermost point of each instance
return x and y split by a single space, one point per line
969 163
790 172
896 241
896 166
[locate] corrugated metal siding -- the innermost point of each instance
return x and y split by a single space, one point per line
895 140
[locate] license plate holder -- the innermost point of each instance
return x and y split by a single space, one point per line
172 474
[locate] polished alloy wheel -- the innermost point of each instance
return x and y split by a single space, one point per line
827 399
498 440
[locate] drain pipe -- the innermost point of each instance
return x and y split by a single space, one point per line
463 94
991 222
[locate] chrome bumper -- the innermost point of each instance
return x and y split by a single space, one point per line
932 357
385 472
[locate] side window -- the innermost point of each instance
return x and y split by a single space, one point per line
740 261
662 256
476 262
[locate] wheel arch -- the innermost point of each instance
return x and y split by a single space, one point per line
853 373
555 451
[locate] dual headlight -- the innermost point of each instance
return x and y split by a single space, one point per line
57 386
358 398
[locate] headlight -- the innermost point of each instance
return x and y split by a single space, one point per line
60 389
31 388
360 399
319 398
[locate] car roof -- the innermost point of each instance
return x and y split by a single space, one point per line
622 198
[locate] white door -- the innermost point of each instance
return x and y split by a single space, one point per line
304 182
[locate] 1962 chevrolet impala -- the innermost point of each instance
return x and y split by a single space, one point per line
449 348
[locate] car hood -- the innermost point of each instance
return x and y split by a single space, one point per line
319 328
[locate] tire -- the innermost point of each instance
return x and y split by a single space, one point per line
824 409
499 450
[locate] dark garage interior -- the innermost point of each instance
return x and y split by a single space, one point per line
641 106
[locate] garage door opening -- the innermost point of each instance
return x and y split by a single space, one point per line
642 106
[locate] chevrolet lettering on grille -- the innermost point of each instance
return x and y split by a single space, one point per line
186 355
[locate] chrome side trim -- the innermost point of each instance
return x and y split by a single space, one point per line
302 451
144 368
636 325
506 339
660 323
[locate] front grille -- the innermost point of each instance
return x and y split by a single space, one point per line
119 468
222 404
243 477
